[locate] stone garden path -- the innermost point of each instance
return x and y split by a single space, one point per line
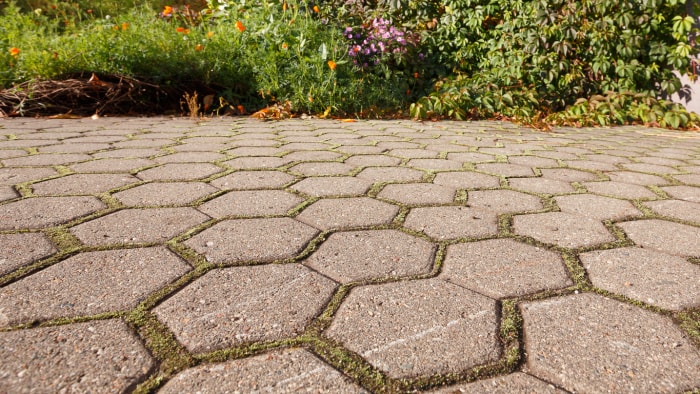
232 255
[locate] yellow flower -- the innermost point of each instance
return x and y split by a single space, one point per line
331 64
14 52
284 6
210 34
198 47
167 10
240 26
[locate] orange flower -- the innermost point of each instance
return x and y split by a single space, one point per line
182 30
416 75
284 6
241 110
198 47
14 52
125 26
331 64
210 34
167 10
284 45
240 26
316 9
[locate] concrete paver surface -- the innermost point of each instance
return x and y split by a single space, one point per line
177 255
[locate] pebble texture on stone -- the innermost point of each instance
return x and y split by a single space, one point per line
369 256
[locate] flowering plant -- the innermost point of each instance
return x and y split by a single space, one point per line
380 42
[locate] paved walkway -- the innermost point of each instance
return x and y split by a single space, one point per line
232 255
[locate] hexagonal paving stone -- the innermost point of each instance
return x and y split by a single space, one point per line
515 383
248 180
418 193
444 223
503 201
686 193
567 174
251 203
341 186
322 168
190 157
259 162
505 169
98 357
345 213
619 189
636 178
502 268
232 241
684 210
14 176
90 283
596 207
391 174
121 165
169 193
533 161
470 157
133 226
83 184
373 254
655 278
313 155
541 185
669 237
435 164
231 306
128 153
179 172
596 343
372 160
21 249
48 159
287 370
652 168
419 327
562 229
466 180
43 212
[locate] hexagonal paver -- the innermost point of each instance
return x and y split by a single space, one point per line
132 226
372 160
505 169
179 172
232 241
345 213
684 210
288 370
445 223
247 180
504 201
251 203
341 186
596 343
619 189
515 383
322 168
414 153
669 237
312 155
596 207
7 193
373 254
435 164
541 185
686 193
391 174
655 278
418 193
533 161
262 162
14 176
111 165
567 174
563 229
83 184
169 193
502 268
256 151
98 356
128 153
636 178
238 305
90 283
652 168
48 159
22 249
420 327
190 157
466 180
42 212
